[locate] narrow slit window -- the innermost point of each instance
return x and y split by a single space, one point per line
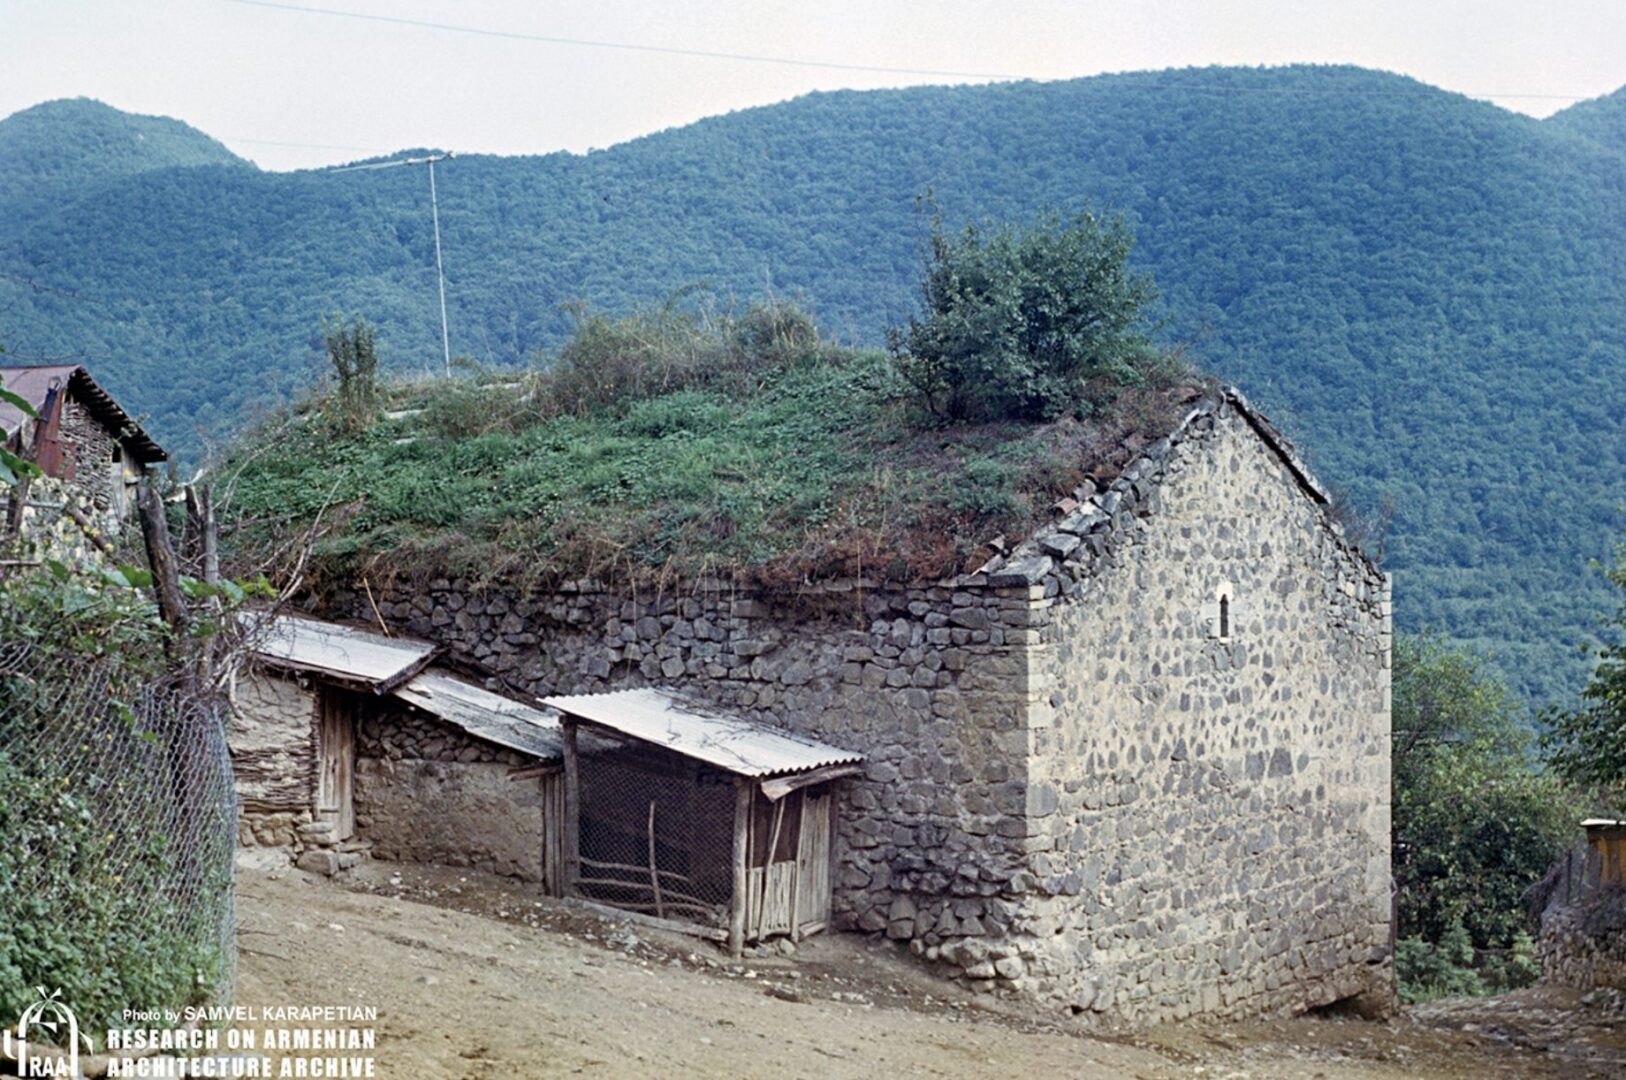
1225 617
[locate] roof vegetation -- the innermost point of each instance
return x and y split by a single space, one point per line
672 442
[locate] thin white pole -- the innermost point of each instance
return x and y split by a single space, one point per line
440 273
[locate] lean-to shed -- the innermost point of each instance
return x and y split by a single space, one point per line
675 809
347 742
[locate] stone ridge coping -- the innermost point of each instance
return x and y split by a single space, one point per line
1081 535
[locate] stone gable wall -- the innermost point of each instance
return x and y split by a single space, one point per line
1071 792
1209 817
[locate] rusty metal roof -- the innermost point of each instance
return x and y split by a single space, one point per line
297 643
32 384
486 715
702 732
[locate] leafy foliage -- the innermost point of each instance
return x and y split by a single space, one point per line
1476 824
1588 744
107 940
1025 324
13 467
1427 288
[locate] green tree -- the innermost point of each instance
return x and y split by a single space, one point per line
1027 323
1476 823
1588 744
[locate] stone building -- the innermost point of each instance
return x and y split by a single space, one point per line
90 450
347 744
1138 766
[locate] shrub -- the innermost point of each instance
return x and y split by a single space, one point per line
1028 323
353 352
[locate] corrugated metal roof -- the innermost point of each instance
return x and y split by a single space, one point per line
701 732
291 641
486 715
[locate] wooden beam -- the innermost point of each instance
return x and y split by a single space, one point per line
408 673
573 810
744 791
710 933
779 787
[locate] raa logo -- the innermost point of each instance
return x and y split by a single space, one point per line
55 1049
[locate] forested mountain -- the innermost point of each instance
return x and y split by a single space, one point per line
61 151
1429 291
1602 119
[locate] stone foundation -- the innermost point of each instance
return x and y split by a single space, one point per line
1584 945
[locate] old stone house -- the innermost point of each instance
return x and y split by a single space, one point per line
1137 766
89 449
347 744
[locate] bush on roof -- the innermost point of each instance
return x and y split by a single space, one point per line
1029 323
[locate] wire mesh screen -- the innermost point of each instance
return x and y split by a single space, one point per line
657 834
118 820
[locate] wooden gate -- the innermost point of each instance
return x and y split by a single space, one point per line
336 763
787 890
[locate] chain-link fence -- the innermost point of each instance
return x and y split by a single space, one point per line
118 821
657 834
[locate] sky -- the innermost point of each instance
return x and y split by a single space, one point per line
297 89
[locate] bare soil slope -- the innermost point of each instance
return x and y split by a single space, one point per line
483 980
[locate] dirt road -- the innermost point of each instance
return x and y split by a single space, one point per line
483 980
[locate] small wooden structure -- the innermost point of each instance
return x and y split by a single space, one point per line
675 811
1607 839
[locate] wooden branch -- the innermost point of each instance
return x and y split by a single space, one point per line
166 582
88 527
600 864
654 878
533 772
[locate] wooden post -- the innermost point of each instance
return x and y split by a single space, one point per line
166 584
796 867
573 810
202 533
654 875
736 914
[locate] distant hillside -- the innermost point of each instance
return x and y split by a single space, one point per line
57 150
1601 119
1428 291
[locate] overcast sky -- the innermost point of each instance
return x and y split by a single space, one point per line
257 75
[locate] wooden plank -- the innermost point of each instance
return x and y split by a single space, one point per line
781 786
408 673
743 794
796 879
710 933
572 832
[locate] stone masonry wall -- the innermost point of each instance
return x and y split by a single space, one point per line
273 754
923 681
1071 792
429 792
1209 816
1583 945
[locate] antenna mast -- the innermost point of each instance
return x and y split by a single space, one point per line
434 215
440 274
